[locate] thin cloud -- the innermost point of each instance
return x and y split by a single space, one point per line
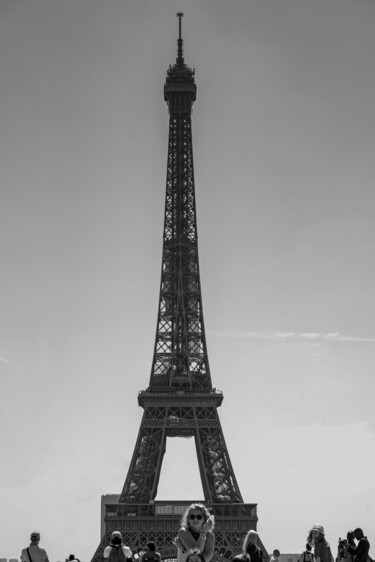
312 337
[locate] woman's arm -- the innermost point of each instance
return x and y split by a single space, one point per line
205 542
187 539
209 546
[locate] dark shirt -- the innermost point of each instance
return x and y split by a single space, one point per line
361 550
306 556
322 550
254 552
151 556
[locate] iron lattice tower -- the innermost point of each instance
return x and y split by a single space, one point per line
180 400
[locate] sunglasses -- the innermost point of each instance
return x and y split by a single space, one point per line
199 517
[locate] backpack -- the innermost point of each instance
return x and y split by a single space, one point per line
117 555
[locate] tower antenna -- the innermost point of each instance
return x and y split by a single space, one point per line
180 58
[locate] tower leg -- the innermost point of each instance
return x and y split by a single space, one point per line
218 479
142 481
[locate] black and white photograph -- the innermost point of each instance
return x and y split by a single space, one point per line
187 310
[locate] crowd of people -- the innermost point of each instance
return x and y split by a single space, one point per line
195 542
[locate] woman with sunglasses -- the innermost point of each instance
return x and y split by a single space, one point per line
196 533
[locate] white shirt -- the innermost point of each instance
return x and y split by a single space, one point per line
125 549
37 554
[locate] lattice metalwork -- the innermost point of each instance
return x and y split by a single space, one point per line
227 544
180 400
180 360
159 522
181 420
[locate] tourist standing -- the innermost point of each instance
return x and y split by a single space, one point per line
360 552
322 550
275 555
117 551
307 555
33 552
73 558
150 555
343 554
250 549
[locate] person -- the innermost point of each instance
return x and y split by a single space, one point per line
72 558
250 549
150 555
343 554
307 555
196 533
322 550
34 553
361 551
117 551
275 555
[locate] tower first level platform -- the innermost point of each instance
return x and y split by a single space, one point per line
181 414
159 521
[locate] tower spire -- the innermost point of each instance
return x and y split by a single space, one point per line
180 58
180 400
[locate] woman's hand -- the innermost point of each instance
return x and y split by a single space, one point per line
208 525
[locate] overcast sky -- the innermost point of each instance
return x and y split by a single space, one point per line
284 139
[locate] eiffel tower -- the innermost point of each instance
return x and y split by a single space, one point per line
180 400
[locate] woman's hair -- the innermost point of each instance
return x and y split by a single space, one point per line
151 546
194 506
246 540
310 539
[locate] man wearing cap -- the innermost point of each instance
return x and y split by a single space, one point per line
322 550
34 553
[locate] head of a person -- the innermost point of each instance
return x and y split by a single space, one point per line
71 557
195 516
358 533
316 534
276 553
250 541
151 546
350 536
308 547
116 538
35 537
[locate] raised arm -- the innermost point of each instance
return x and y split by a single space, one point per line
205 542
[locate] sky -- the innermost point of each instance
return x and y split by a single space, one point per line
284 139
